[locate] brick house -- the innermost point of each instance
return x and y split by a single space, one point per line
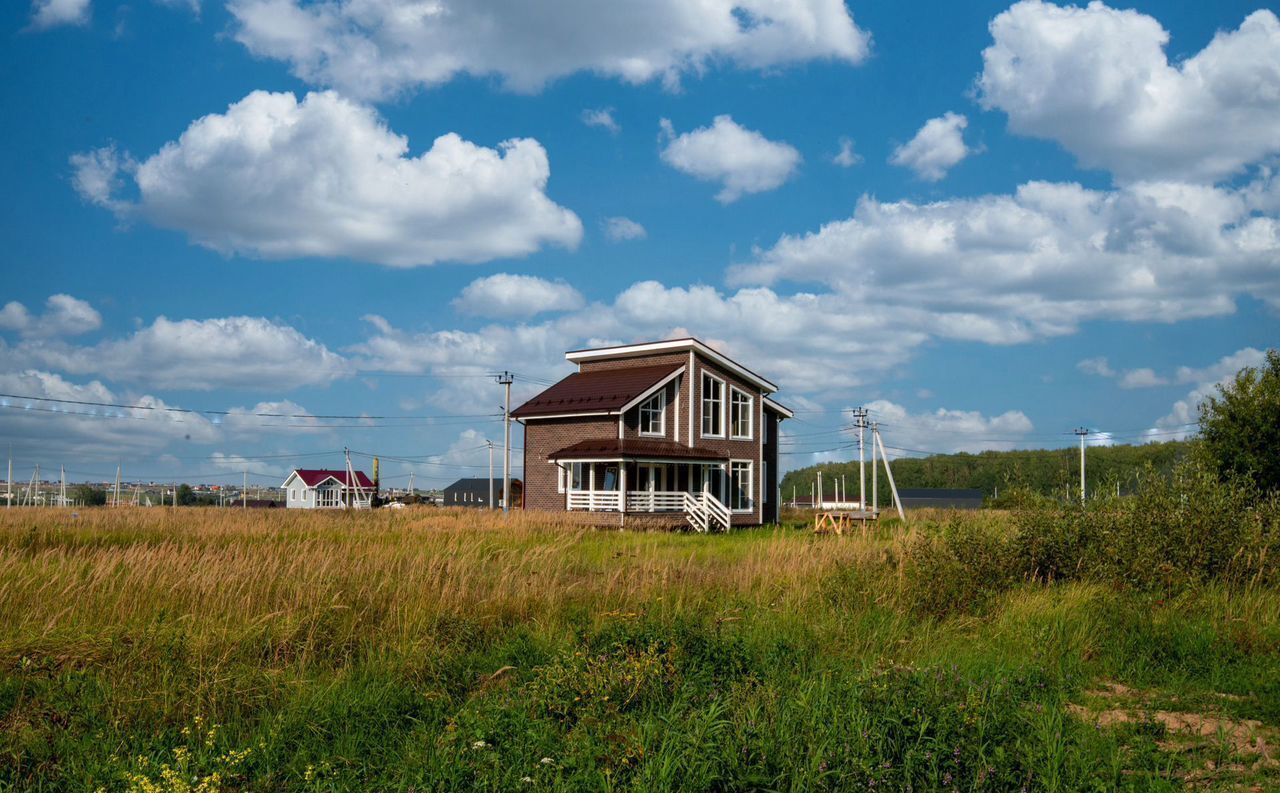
665 433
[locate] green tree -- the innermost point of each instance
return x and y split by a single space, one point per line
1240 427
186 496
88 495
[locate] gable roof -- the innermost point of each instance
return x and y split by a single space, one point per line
314 476
481 485
672 345
595 392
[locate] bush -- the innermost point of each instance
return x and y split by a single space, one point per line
1240 427
957 565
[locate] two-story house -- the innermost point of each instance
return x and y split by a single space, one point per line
664 433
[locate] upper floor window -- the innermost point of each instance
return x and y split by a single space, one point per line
740 414
741 486
712 406
653 415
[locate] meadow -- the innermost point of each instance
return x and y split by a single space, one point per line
1048 648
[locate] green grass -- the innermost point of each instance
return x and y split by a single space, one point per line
431 650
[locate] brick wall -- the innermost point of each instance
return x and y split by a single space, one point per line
543 437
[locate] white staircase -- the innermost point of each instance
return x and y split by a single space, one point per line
705 512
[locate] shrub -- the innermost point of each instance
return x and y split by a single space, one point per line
957 565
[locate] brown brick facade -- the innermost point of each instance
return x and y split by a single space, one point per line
683 411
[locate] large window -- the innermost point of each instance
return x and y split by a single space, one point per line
712 406
740 414
740 486
653 415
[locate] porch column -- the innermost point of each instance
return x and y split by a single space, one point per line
622 483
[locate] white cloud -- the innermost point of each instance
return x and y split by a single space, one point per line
935 149
946 430
237 463
846 157
277 178
64 315
602 117
516 296
188 354
743 160
51 13
52 432
1010 268
273 416
1096 366
620 229
1182 419
1098 81
1142 378
379 48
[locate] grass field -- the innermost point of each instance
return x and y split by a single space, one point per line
201 649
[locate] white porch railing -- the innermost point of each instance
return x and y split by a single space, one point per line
704 511
595 500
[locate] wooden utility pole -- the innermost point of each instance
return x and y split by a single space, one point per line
860 416
897 502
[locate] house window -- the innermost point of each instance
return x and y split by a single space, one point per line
740 414
712 406
740 486
576 477
653 415
560 477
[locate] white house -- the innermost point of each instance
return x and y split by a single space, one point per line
317 488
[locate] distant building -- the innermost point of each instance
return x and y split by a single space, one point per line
940 498
475 493
318 488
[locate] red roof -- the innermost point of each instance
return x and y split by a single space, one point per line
597 448
595 392
314 476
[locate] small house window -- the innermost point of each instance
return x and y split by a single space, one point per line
560 477
653 415
740 414
740 486
712 406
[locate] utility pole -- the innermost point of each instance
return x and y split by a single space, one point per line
62 494
8 482
505 379
244 490
1083 432
116 501
860 416
893 487
875 472
490 445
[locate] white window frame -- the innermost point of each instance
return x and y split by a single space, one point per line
560 477
751 414
732 491
661 399
721 402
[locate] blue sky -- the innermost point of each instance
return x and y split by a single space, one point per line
989 222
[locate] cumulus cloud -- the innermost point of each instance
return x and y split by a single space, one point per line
50 431
935 149
189 354
64 315
603 118
516 296
946 430
620 229
277 178
51 13
1010 268
742 160
1096 366
1182 419
1142 378
1098 81
379 48
846 157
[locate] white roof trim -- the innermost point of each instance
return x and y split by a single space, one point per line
651 390
779 408
675 345
523 419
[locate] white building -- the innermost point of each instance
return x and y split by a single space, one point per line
318 488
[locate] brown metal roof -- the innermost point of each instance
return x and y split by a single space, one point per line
597 448
594 392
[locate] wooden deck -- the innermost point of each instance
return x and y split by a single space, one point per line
839 522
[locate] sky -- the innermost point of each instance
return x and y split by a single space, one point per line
245 235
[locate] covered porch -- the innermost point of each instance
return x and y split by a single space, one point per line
648 477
